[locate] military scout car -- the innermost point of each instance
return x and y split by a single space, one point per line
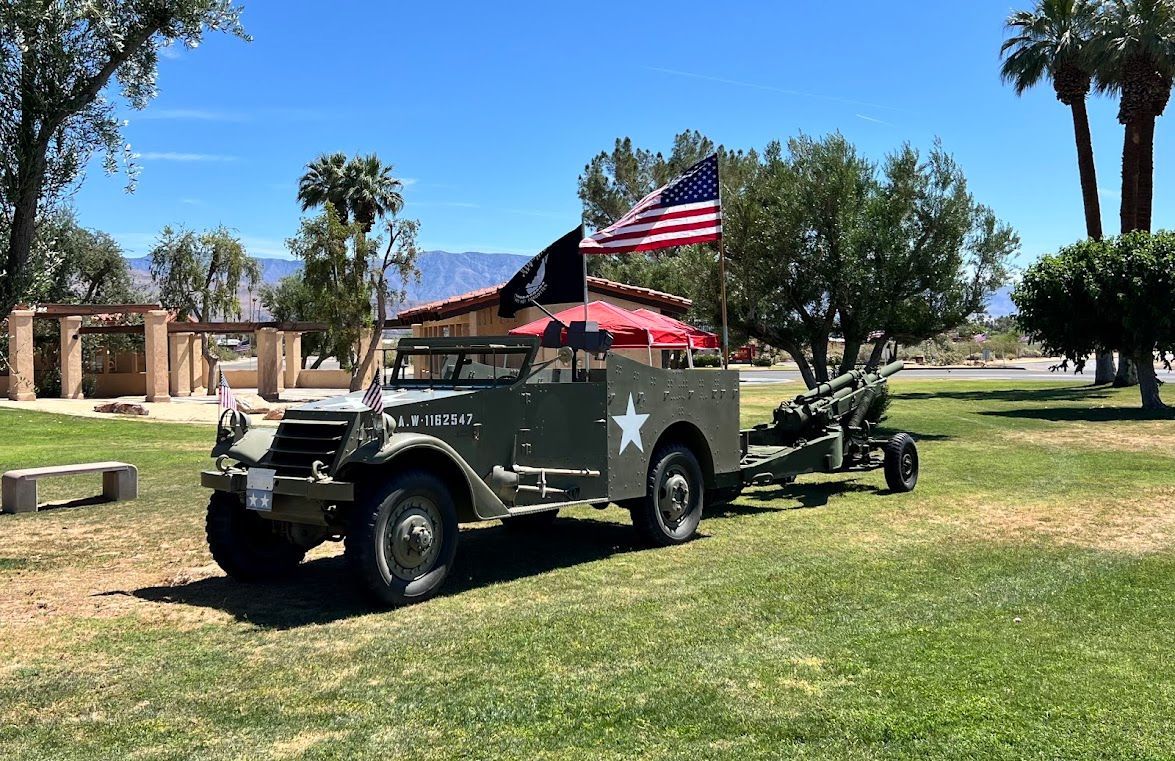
475 429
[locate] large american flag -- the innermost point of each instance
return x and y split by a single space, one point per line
224 395
687 210
374 396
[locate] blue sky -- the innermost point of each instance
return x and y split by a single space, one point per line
490 111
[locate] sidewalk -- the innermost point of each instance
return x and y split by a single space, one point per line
181 409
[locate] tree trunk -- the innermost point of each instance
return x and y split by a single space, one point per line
875 355
1148 385
1130 164
368 358
20 238
1146 171
820 360
213 364
849 360
1087 170
1127 372
802 363
1104 368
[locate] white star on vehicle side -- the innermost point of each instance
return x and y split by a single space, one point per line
630 427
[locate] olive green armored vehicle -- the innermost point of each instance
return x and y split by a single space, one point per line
475 429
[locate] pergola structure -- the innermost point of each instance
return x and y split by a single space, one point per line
175 365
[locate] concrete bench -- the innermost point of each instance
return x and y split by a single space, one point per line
18 488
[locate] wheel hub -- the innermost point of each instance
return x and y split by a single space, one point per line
675 497
907 465
411 543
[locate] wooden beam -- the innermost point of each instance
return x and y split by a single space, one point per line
88 310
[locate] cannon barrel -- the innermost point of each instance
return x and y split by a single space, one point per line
851 378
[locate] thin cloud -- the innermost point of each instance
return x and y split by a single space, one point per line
874 120
259 246
768 88
448 204
190 114
192 201
175 156
170 52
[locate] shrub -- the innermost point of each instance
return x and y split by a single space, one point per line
763 360
707 360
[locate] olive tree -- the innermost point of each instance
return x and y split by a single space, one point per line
201 276
1115 292
57 60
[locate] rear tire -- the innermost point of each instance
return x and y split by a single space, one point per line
403 538
672 507
245 545
901 463
531 522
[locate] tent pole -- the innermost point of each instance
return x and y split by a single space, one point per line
649 338
689 351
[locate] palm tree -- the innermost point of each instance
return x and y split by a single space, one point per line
1136 42
1052 42
371 190
323 183
1056 40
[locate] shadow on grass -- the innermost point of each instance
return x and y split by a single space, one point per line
811 494
1084 414
321 591
1068 394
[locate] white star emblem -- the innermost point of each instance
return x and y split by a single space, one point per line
630 427
252 500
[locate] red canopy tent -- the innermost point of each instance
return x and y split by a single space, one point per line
640 329
697 338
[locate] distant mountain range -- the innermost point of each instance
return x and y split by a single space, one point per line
443 274
1000 304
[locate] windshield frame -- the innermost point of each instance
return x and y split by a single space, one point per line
462 348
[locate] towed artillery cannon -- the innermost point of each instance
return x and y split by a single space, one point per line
482 428
829 428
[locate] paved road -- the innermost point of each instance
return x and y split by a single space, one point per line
1030 374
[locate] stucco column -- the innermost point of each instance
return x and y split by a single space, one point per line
268 364
20 356
155 338
197 366
180 367
71 358
293 342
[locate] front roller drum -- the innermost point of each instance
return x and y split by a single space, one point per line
403 538
901 463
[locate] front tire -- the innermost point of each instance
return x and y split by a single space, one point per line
245 545
403 538
901 463
672 507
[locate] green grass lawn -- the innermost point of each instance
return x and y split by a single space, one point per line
1020 603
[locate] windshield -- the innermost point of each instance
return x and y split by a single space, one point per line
475 366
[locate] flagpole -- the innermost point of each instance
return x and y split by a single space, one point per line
722 285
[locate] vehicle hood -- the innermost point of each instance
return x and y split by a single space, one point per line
353 402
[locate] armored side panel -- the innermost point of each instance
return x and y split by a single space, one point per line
647 404
563 427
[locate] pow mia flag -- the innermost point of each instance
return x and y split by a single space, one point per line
555 276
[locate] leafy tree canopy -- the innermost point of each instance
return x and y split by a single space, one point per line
820 241
1118 292
56 62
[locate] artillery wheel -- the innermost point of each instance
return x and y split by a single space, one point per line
245 545
901 463
531 522
672 506
403 538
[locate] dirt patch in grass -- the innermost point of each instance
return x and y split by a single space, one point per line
1156 436
1143 524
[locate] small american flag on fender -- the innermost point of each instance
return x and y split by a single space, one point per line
374 396
224 395
687 210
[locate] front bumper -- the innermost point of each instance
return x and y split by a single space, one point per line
308 488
